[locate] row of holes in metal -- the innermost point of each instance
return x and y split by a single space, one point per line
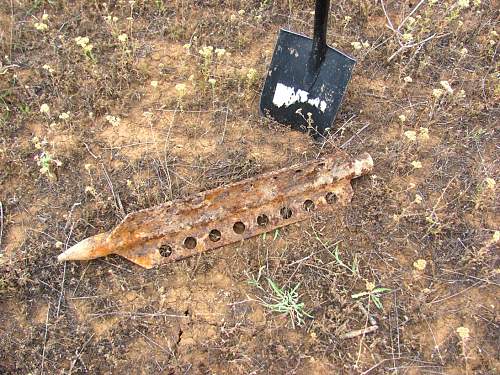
239 227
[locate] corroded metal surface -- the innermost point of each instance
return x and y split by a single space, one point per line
218 217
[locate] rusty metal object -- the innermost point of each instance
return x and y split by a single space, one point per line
228 214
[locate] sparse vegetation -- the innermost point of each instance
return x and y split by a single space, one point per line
281 300
108 108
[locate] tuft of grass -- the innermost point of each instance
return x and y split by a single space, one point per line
282 300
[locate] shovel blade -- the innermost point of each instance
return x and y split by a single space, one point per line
291 97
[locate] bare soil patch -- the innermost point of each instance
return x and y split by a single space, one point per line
136 115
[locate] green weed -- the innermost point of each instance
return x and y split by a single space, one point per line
353 268
372 294
281 300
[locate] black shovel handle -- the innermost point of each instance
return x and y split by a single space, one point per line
319 40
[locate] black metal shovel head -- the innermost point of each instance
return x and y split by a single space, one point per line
289 97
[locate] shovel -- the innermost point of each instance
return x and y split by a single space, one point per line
307 79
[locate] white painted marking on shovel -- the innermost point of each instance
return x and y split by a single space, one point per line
286 96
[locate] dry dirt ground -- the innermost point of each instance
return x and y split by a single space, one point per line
92 129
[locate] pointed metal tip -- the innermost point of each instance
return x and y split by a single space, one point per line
90 248
62 257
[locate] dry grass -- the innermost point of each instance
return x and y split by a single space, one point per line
83 173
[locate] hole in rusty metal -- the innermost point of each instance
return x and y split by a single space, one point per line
165 250
286 212
331 198
262 220
190 243
239 227
214 235
308 205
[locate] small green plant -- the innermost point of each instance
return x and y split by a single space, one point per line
353 268
24 108
87 47
281 300
45 160
372 294
206 53
251 78
159 4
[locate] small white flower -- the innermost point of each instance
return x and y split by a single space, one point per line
241 12
423 134
45 17
40 26
48 68
113 120
220 52
418 199
407 79
206 52
369 285
420 264
123 38
490 183
437 93
212 81
464 51
407 37
416 164
356 45
181 89
251 75
154 84
64 116
446 85
411 135
90 190
88 48
463 332
44 108
82 41
463 3
402 118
